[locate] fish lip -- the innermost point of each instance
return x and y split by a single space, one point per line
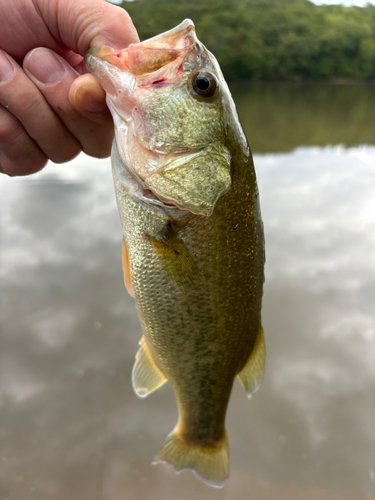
91 57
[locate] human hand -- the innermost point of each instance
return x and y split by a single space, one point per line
47 110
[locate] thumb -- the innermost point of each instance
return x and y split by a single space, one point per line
81 24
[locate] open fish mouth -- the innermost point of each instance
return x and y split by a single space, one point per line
165 98
148 56
152 64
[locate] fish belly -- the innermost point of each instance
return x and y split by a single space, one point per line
198 290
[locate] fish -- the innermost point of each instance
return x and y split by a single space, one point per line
193 242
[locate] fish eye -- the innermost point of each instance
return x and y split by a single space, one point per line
204 83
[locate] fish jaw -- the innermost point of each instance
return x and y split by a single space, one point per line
150 55
119 71
155 113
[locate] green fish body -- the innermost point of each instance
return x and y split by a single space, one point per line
193 253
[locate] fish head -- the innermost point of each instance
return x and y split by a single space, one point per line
167 98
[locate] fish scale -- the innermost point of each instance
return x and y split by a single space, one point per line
194 245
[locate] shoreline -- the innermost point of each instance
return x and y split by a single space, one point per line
328 81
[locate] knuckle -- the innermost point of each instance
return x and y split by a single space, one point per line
128 22
96 152
104 153
19 153
34 108
100 148
9 132
26 166
125 16
66 154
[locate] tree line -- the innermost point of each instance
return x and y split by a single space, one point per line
271 39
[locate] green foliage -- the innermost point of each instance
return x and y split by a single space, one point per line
271 39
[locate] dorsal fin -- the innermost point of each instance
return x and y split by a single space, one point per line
251 374
146 376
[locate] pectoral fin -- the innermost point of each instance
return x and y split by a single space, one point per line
146 376
176 260
251 374
126 269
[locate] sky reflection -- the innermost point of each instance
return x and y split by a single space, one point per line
71 425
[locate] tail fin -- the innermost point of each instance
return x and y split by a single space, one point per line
208 462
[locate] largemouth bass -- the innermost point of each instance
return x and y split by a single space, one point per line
193 245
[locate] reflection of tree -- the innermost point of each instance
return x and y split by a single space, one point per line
272 39
282 117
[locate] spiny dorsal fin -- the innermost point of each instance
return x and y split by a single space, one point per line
146 376
252 373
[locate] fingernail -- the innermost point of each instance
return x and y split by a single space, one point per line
6 67
91 98
45 66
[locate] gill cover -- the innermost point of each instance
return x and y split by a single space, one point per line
166 98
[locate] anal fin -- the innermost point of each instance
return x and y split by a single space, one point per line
251 374
146 376
126 269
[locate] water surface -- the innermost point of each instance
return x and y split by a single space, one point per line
281 117
71 426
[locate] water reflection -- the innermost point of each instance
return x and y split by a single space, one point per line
71 426
281 117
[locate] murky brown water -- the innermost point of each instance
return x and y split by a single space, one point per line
70 424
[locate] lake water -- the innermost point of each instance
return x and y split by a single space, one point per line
70 424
